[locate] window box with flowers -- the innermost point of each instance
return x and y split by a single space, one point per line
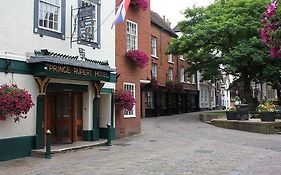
140 58
267 111
142 4
124 100
14 102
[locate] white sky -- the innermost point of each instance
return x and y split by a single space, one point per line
172 9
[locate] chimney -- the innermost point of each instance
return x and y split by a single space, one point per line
164 18
168 22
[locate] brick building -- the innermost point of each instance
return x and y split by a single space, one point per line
132 34
171 91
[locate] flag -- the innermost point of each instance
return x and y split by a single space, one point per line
121 12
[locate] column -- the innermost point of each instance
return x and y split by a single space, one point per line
40 103
96 107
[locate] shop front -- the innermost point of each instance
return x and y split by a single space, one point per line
160 101
71 92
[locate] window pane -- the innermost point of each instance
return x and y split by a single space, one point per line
49 13
131 36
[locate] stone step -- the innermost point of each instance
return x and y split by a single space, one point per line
64 148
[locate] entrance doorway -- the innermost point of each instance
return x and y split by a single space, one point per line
64 117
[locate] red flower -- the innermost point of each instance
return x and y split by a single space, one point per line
14 102
139 57
271 27
143 4
124 100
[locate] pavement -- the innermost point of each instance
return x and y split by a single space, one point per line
169 145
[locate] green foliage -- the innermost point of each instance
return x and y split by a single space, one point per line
224 37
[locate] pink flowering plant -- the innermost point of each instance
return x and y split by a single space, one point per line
140 58
271 33
14 102
124 100
142 4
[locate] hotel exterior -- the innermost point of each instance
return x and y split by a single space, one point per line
63 53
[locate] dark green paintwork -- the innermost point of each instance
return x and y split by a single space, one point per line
113 78
39 138
17 147
39 70
87 135
57 87
107 91
20 67
103 133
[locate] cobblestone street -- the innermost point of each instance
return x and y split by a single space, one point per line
179 144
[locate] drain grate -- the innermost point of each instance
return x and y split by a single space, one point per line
152 140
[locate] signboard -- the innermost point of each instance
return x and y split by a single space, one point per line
86 24
70 72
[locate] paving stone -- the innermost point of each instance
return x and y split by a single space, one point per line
172 145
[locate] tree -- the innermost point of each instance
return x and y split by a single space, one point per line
224 37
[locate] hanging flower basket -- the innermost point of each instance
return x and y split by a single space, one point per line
14 102
142 4
124 100
140 58
271 32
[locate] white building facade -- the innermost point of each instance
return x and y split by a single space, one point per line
207 94
225 92
63 53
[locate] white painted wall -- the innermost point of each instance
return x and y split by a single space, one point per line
25 127
17 39
16 32
105 113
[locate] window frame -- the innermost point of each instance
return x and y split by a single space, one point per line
182 75
170 74
149 100
134 95
154 48
43 31
170 58
136 36
193 79
181 57
154 72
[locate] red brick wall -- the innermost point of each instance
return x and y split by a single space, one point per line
163 39
130 73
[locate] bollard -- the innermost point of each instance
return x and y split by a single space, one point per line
48 145
108 135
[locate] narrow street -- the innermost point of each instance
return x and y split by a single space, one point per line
179 144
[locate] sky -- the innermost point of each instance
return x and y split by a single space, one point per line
172 9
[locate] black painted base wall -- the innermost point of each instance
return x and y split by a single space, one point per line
13 148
